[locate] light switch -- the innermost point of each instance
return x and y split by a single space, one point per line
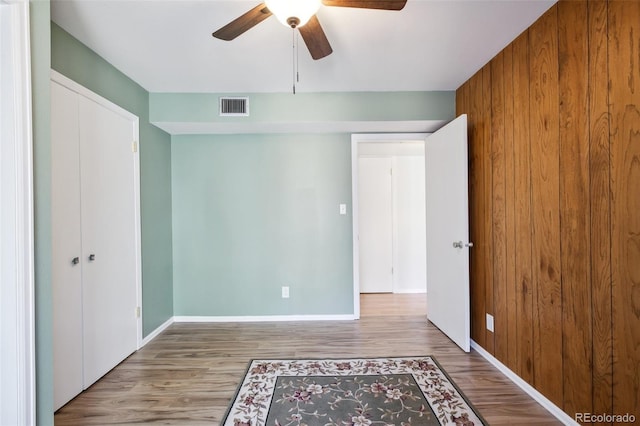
343 209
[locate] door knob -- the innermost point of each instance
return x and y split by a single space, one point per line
92 257
75 261
459 244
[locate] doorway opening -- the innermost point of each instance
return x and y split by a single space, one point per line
389 236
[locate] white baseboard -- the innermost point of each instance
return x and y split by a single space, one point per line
266 318
533 393
157 331
410 291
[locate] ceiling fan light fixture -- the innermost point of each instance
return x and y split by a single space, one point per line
293 13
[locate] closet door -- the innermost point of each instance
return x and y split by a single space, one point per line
375 224
67 250
410 225
109 243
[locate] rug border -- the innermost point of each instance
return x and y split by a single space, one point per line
433 358
462 394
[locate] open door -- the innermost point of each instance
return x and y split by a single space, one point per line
448 231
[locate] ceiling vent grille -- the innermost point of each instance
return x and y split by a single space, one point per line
234 106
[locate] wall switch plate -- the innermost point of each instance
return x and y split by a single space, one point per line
343 209
285 292
490 322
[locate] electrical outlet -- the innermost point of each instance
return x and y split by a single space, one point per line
285 292
343 209
490 322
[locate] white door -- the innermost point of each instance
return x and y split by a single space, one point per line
448 224
375 224
409 249
108 238
67 250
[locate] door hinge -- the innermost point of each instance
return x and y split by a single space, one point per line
138 312
134 146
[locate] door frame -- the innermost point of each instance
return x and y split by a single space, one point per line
356 139
17 293
81 90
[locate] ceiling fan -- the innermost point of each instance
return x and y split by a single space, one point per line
300 14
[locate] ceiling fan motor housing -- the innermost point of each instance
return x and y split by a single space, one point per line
293 13
293 21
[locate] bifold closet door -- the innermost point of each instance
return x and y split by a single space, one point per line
108 238
67 249
95 236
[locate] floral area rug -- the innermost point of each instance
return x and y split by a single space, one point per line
349 392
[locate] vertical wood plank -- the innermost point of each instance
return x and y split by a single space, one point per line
477 201
510 197
624 101
574 197
543 41
523 224
498 210
576 233
600 211
462 99
487 164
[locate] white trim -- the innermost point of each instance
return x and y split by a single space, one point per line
138 227
410 291
357 138
530 390
81 90
229 319
17 360
156 332
354 219
266 318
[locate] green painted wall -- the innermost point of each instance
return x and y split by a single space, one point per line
252 213
40 34
307 107
79 63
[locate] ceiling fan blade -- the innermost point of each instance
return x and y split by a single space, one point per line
245 22
368 4
315 38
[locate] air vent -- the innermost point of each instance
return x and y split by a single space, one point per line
234 107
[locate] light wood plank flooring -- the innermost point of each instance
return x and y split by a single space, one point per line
388 304
188 374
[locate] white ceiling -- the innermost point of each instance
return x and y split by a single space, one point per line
166 45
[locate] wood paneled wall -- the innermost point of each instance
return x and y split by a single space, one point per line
554 185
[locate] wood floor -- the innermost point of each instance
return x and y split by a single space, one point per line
189 373
389 305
